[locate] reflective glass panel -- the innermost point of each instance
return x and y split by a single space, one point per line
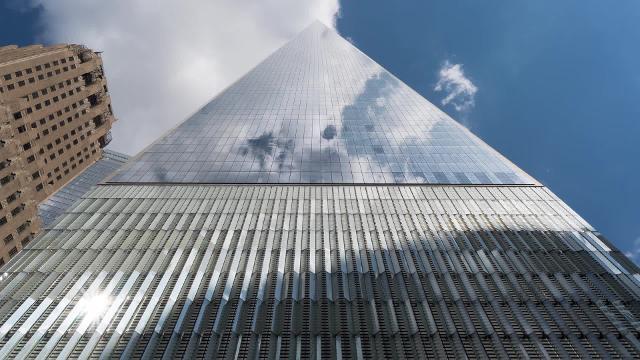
320 111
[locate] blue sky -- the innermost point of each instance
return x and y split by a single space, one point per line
558 86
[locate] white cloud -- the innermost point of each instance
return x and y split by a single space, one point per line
634 252
163 60
459 90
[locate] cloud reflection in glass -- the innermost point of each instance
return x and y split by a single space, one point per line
320 111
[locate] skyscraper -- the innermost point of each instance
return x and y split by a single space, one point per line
55 116
319 208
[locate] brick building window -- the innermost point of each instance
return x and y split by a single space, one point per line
22 227
8 239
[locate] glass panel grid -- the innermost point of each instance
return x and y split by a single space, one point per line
320 111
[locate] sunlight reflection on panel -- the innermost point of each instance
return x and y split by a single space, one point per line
93 306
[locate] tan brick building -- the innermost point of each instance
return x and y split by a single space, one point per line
55 116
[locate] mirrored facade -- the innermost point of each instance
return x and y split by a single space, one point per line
425 245
320 111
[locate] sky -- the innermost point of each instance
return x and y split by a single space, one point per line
552 85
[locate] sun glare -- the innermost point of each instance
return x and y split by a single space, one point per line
94 306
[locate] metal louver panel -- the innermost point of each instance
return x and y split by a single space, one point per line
320 272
